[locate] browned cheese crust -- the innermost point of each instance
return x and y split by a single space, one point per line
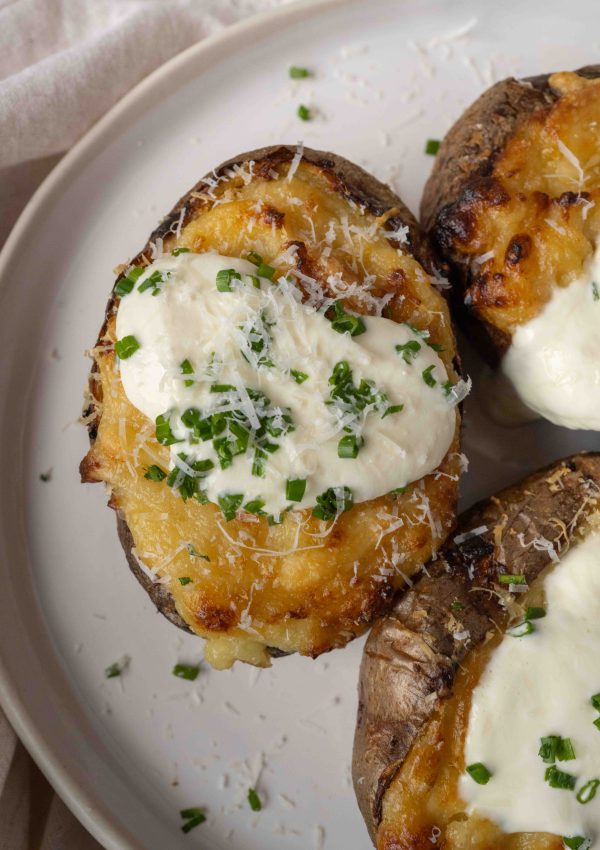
417 677
512 200
303 585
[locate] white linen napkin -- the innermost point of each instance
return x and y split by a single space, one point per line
63 63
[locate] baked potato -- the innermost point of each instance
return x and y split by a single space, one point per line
511 204
252 588
423 662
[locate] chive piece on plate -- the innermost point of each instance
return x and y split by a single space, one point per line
254 800
521 629
189 672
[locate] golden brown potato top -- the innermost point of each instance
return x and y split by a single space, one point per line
303 585
531 225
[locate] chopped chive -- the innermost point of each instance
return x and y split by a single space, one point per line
255 281
125 347
177 251
548 748
189 672
258 463
184 580
457 606
595 700
397 491
344 322
333 502
255 506
432 146
577 842
428 377
224 278
555 748
254 257
46 476
222 388
297 73
423 333
126 284
565 750
186 814
154 281
304 113
299 377
509 578
155 473
597 723
265 271
559 779
114 670
595 291
230 503
254 800
479 773
521 629
186 368
535 613
164 434
194 552
393 408
409 350
295 489
349 447
193 817
587 792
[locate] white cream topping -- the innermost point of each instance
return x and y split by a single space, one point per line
190 319
554 360
541 685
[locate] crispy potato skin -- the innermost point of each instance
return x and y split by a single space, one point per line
501 189
416 679
248 605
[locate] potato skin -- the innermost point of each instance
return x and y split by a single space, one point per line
468 183
337 613
410 680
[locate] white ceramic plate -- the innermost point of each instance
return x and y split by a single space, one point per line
127 754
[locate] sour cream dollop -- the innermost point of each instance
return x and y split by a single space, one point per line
554 360
253 352
536 686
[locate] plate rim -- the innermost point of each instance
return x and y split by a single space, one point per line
81 804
